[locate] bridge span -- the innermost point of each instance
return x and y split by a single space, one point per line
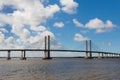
23 53
47 51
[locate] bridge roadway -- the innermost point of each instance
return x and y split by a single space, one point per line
57 50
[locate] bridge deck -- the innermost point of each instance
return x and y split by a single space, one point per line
56 50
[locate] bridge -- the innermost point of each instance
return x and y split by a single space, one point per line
88 52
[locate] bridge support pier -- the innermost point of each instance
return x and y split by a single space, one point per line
47 49
8 58
105 55
90 44
112 55
102 55
86 50
90 50
23 55
86 57
99 55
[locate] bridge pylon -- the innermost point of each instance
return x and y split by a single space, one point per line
8 58
88 45
23 55
86 49
47 48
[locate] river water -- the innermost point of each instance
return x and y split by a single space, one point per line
60 69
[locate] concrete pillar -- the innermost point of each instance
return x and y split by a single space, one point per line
112 55
86 50
45 52
8 58
99 55
47 48
23 55
107 55
90 44
102 55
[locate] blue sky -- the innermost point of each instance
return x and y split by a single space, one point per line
23 24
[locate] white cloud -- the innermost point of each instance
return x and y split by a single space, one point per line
77 23
51 9
69 6
6 19
96 24
79 37
44 1
38 28
31 13
10 40
59 24
2 37
3 30
99 25
25 35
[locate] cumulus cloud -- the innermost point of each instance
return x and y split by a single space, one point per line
77 23
99 25
3 30
59 24
38 28
30 12
79 37
6 19
69 6
2 37
96 24
25 22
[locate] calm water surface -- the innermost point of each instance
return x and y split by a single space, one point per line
60 69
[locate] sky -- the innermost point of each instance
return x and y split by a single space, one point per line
24 23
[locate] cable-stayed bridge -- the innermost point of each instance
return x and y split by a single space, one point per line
89 49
